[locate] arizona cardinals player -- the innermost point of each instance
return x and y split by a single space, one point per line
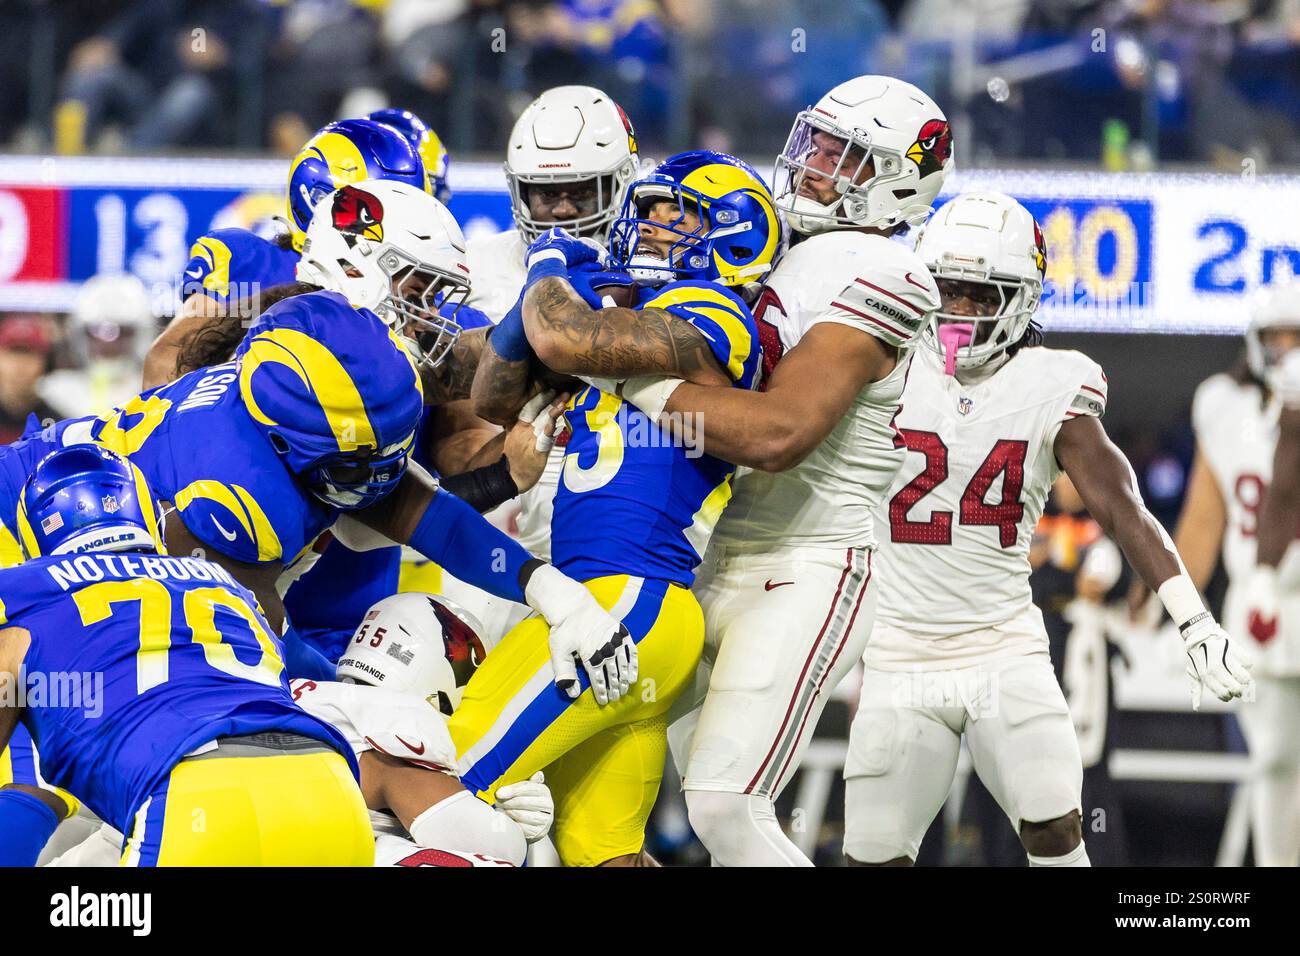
570 157
1244 493
787 588
958 648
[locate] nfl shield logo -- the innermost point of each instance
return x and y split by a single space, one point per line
110 504
964 405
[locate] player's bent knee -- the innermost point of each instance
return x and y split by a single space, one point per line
1052 838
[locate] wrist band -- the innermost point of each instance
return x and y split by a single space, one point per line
484 488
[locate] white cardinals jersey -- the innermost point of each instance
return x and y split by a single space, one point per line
496 272
954 572
402 725
869 283
1236 433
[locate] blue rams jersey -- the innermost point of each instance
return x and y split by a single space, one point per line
137 660
631 499
234 263
199 449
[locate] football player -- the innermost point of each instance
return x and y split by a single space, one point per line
231 265
109 329
399 680
787 589
403 673
633 513
314 421
959 649
192 692
571 154
1247 432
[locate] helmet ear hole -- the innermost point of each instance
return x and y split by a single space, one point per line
444 703
279 443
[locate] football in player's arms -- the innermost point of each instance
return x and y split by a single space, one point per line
632 515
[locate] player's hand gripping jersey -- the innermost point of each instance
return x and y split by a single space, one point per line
979 468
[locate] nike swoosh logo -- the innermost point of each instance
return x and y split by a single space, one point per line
228 535
194 274
418 751
769 586
907 277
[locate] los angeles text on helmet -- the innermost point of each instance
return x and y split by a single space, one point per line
95 567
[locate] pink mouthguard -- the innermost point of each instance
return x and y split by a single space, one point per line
952 336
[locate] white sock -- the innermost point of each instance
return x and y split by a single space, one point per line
1076 857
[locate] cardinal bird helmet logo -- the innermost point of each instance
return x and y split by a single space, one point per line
358 214
932 148
1040 250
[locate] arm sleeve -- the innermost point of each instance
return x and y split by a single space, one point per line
460 539
466 824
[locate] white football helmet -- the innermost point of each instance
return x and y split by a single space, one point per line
989 238
1276 306
882 121
417 643
571 134
108 308
394 249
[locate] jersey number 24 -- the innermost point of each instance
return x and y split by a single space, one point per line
1006 459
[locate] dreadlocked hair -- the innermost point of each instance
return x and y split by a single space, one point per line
1033 337
216 343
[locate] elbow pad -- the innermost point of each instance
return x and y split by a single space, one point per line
466 824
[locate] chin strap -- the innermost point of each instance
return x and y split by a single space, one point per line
952 336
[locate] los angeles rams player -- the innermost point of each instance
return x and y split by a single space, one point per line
230 264
992 422
426 142
787 589
401 676
193 690
315 419
633 512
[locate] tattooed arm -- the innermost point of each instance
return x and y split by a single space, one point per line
572 338
500 387
451 380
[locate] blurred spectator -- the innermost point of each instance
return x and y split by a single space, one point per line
163 71
25 343
320 50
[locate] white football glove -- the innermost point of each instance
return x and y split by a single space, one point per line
582 632
529 804
537 412
1213 663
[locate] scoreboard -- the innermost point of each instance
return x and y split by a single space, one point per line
1126 252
